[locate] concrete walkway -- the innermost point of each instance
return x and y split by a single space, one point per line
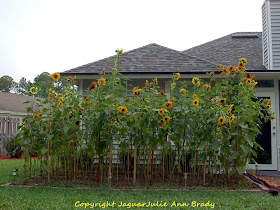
269 173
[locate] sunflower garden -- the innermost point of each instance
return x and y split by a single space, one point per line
204 133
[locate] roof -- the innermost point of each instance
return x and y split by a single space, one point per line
11 102
151 58
228 49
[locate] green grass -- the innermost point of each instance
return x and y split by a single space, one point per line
62 198
6 168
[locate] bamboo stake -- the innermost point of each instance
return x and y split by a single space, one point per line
135 165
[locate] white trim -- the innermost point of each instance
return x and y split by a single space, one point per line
274 137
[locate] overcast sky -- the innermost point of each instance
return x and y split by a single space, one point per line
57 35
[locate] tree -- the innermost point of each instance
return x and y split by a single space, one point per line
23 86
7 84
43 82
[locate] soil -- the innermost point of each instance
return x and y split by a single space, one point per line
274 180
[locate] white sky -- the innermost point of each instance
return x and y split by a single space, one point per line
57 35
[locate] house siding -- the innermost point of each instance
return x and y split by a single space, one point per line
271 34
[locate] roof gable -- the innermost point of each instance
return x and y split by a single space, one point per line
11 102
228 49
151 58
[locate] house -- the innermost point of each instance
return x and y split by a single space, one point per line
12 111
262 50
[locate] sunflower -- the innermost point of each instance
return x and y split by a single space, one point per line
269 106
73 80
231 68
136 92
221 120
241 84
229 111
195 80
166 119
55 76
173 85
194 97
93 85
156 81
248 76
240 69
36 116
173 99
222 101
243 60
168 105
231 118
161 111
123 110
59 104
162 92
177 76
184 92
33 90
195 102
101 81
249 81
58 96
119 52
212 74
114 70
226 71
206 87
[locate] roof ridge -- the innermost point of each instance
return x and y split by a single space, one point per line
217 39
109 57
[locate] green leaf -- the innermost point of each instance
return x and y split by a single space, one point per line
44 151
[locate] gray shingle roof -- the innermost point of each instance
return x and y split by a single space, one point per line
11 102
151 58
228 49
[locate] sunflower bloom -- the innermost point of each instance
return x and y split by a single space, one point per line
136 92
231 68
206 87
120 52
249 81
162 92
212 74
184 92
36 117
123 110
166 119
59 104
156 81
168 105
114 70
231 118
55 76
33 90
161 111
173 85
248 76
243 60
93 85
194 97
101 81
221 120
177 76
229 111
195 80
196 102
222 101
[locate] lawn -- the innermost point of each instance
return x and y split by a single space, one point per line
62 198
